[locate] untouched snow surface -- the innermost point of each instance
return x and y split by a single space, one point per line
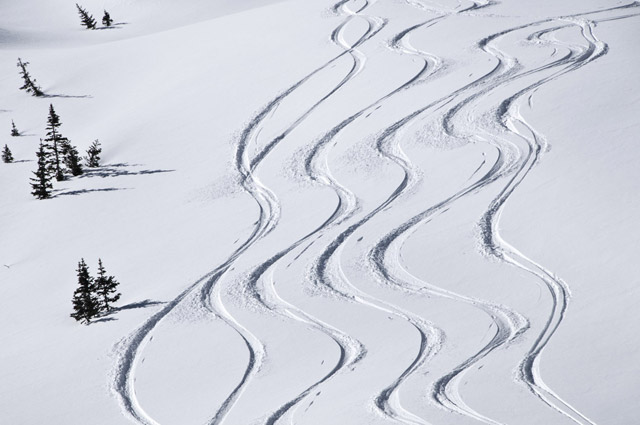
363 212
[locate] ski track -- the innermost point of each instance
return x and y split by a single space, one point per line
508 116
445 389
430 336
387 401
129 349
351 351
340 211
509 326
346 207
515 161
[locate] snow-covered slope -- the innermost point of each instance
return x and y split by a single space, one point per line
416 212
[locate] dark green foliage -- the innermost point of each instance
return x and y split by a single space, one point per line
106 288
41 184
62 152
87 20
85 304
72 159
93 296
56 144
6 155
29 85
14 129
93 154
106 19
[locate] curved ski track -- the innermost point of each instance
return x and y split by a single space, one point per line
445 390
345 208
129 349
515 160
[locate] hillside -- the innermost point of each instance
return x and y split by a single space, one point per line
363 212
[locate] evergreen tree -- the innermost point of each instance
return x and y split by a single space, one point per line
93 154
29 85
41 184
55 144
106 287
14 129
87 20
106 19
85 304
72 159
6 155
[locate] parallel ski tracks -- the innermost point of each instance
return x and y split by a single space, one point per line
444 391
350 350
262 289
514 161
129 349
510 119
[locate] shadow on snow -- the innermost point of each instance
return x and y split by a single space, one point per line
82 191
108 317
116 170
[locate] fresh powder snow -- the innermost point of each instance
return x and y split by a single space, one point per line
377 212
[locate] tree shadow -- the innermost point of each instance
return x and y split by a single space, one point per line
122 164
23 160
107 317
104 319
67 96
83 191
113 26
140 304
116 170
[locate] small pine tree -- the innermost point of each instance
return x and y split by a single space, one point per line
29 85
14 129
7 157
72 159
41 184
106 19
55 144
85 304
93 154
86 18
106 288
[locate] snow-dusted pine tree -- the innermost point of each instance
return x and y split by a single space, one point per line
55 144
85 304
29 85
93 154
14 129
106 288
6 155
106 19
41 184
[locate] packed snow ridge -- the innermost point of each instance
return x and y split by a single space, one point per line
364 212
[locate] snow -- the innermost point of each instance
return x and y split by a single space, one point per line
375 212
